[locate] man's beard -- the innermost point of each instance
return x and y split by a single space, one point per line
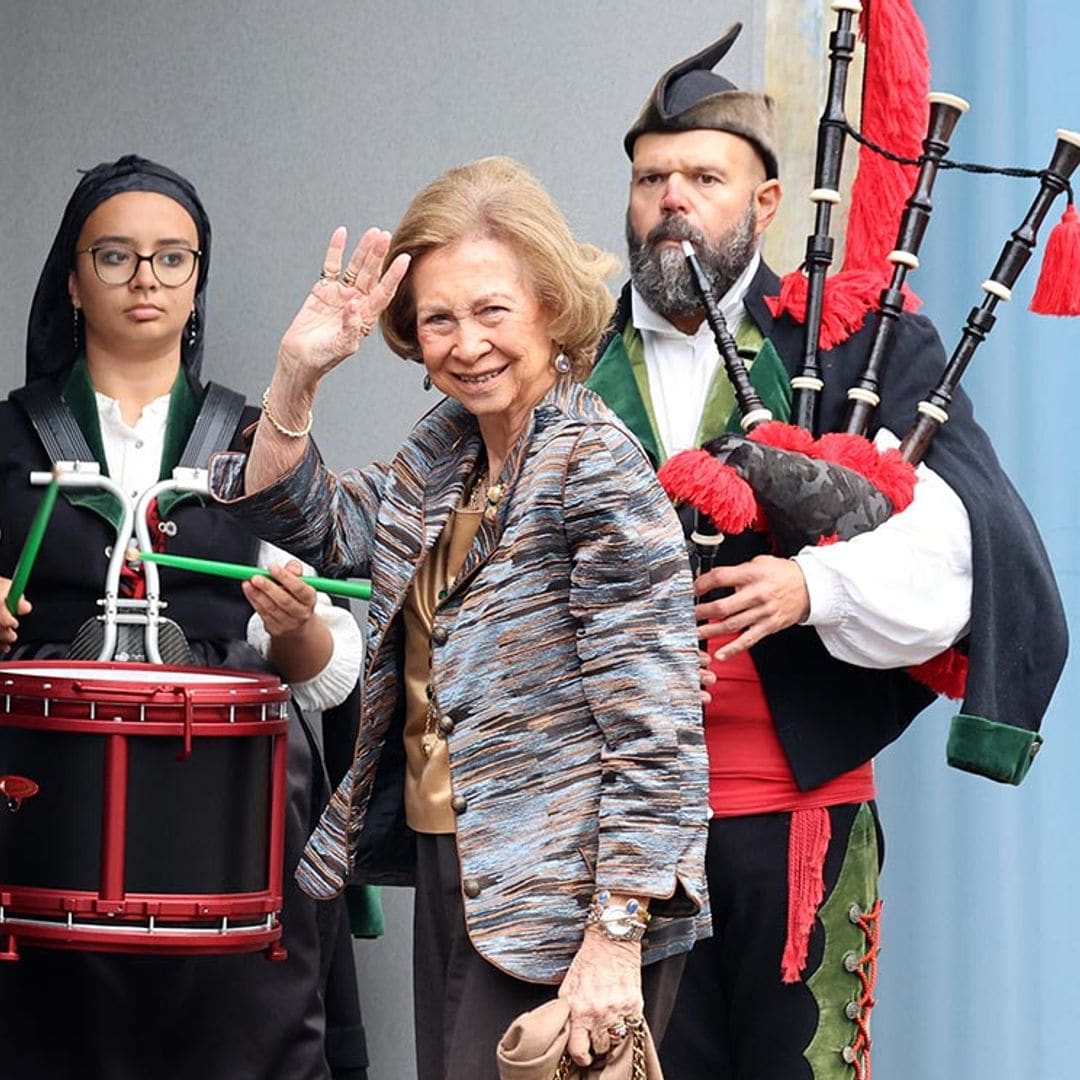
663 278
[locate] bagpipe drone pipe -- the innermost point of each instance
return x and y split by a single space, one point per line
797 488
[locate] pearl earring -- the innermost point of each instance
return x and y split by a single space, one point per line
561 363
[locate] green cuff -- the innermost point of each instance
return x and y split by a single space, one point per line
999 751
364 903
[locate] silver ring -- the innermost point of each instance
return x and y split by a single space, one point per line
349 278
327 275
619 1031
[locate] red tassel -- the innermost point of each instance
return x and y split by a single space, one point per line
808 843
1058 290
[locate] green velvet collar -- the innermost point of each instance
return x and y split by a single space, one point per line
621 378
80 397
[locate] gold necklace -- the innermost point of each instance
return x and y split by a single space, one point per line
483 496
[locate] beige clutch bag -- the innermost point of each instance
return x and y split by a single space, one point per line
534 1048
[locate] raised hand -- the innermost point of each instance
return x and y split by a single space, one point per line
342 307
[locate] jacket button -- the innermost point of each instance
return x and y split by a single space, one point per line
471 888
851 962
445 725
848 1054
459 804
439 635
852 1010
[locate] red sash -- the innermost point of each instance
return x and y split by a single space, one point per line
749 774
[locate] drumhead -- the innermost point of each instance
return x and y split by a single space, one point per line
104 673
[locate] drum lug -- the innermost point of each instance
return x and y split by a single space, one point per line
189 717
10 951
277 952
109 908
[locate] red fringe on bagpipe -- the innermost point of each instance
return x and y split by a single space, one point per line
697 478
849 296
945 673
885 469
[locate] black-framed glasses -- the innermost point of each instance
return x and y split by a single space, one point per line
117 264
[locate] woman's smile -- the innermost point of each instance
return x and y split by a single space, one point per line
480 380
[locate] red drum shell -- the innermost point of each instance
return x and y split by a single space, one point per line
158 826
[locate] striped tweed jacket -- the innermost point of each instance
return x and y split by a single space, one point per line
563 662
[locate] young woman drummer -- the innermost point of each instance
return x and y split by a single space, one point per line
114 348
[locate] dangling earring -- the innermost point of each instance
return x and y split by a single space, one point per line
561 364
75 322
427 382
193 329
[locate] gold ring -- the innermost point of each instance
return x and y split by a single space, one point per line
619 1031
327 275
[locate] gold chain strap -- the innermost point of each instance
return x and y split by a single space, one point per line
567 1069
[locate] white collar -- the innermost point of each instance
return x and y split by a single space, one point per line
109 408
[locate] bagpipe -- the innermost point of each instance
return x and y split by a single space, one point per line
799 487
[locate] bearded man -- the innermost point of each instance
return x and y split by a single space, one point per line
807 679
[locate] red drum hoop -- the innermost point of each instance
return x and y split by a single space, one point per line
147 808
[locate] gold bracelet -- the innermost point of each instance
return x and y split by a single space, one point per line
280 428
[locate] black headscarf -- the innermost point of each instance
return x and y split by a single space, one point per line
50 348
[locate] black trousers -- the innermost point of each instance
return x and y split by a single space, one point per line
462 1003
734 1018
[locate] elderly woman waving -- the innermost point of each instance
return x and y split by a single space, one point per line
530 750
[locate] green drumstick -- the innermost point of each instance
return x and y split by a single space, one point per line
30 548
358 590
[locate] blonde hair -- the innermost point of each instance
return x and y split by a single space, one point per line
497 198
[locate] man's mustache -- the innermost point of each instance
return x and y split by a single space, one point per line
675 228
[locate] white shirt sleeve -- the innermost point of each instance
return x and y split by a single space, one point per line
335 682
900 594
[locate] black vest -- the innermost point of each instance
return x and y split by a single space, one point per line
68 577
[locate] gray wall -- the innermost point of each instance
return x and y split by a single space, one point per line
292 118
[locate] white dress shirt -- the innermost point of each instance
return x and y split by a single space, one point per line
889 598
134 454
681 366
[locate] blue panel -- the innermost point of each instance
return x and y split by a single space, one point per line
980 950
